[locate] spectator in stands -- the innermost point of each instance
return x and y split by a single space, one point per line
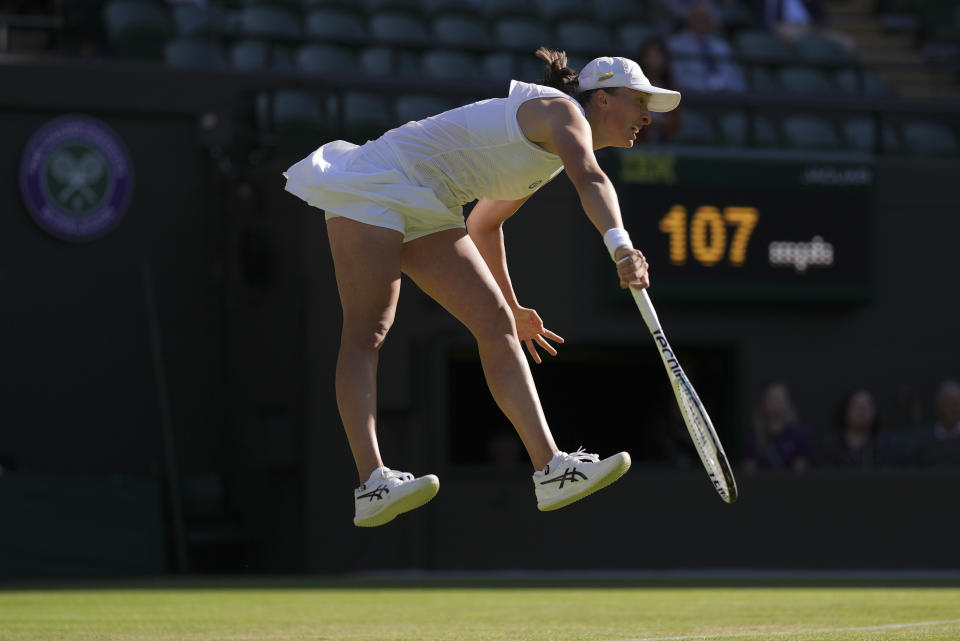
669 15
792 18
702 60
858 442
789 18
655 62
778 441
941 446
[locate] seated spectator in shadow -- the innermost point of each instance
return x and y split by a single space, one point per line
792 18
858 443
778 441
789 18
941 446
702 60
655 62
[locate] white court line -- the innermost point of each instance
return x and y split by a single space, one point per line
861 628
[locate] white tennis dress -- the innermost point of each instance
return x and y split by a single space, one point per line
416 178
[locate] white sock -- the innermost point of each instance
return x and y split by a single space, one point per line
378 473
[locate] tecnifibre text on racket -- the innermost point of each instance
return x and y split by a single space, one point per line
694 413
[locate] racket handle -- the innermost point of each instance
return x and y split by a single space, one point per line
646 309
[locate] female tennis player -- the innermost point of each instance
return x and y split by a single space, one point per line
394 205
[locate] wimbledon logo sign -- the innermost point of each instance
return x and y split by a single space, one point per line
76 178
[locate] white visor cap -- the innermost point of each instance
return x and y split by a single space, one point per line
606 72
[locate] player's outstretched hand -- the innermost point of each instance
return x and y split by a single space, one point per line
632 268
530 330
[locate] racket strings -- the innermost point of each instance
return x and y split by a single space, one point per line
699 430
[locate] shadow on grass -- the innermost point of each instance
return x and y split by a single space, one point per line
513 580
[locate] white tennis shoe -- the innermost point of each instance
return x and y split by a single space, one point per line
570 477
389 493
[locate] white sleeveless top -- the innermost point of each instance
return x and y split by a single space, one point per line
476 150
417 177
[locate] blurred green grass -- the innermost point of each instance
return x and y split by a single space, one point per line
565 608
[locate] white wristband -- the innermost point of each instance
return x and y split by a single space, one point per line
616 237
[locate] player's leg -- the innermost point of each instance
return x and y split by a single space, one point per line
367 264
448 267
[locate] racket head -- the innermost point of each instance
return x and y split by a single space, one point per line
704 438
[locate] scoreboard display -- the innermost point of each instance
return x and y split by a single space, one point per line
755 226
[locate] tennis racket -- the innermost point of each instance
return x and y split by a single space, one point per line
694 413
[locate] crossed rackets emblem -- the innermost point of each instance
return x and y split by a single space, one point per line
77 173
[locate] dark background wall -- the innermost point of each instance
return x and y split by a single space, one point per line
236 276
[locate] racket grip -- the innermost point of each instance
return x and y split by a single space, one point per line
646 309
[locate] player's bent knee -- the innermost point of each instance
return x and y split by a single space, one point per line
369 338
495 327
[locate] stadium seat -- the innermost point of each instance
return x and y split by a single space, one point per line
929 138
736 16
860 135
762 80
763 47
136 30
866 83
530 68
522 33
819 50
394 26
499 66
632 35
250 55
764 132
574 61
189 53
616 12
283 57
498 9
449 64
377 6
287 111
378 61
695 129
365 116
804 80
418 107
270 22
458 29
286 5
335 23
195 21
463 7
809 132
583 37
326 59
340 5
507 66
560 10
733 128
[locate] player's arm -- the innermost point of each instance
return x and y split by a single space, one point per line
567 133
485 226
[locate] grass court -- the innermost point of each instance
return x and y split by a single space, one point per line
562 608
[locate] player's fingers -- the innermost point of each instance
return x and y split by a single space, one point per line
533 351
641 283
557 338
546 346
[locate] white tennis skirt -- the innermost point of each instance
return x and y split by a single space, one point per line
364 184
